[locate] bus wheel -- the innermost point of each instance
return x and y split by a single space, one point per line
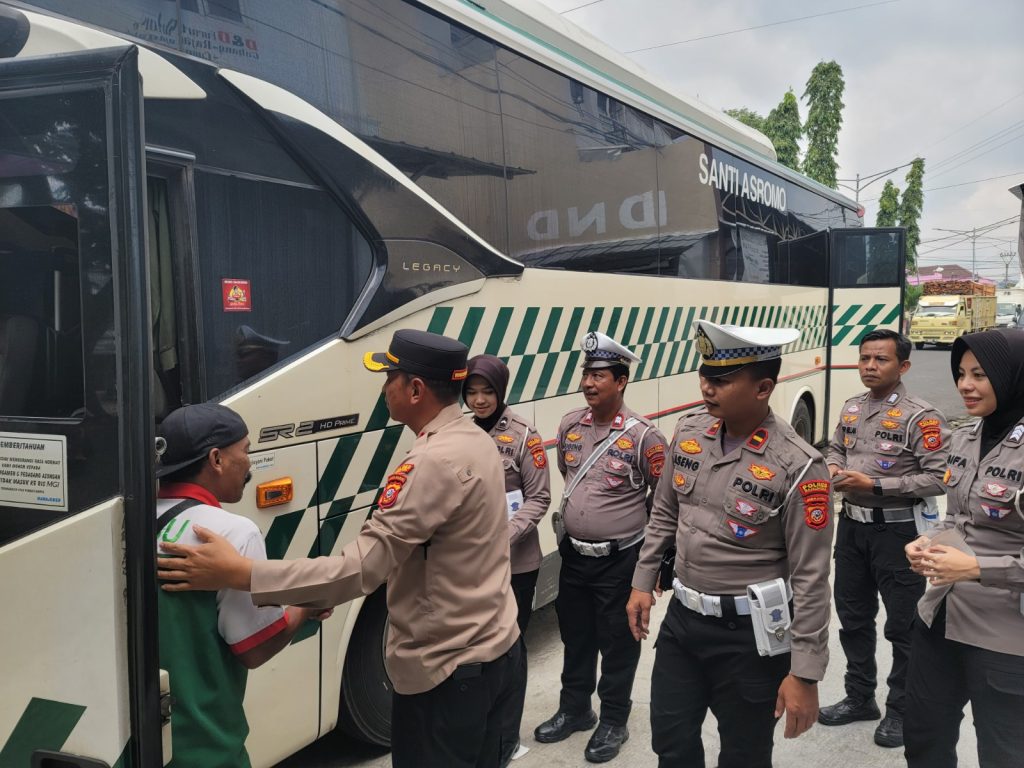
365 687
918 345
802 421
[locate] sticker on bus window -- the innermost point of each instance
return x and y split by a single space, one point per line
33 471
237 295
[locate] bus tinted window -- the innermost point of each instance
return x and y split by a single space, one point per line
281 267
866 260
40 314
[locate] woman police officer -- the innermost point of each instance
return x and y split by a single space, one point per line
969 638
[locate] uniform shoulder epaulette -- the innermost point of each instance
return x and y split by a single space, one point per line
517 419
575 416
791 438
967 426
698 418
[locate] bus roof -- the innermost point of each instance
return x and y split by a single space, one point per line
552 40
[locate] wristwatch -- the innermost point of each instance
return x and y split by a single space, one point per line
877 489
806 680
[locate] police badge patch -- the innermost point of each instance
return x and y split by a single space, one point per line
885 464
704 345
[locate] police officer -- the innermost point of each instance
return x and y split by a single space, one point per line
527 497
968 644
887 453
747 505
609 456
439 539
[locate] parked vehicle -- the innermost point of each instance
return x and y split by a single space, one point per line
951 308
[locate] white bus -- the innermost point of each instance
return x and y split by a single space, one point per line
233 200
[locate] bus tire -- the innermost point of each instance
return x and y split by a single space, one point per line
803 422
918 345
365 711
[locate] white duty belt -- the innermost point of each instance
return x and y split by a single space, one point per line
604 548
711 605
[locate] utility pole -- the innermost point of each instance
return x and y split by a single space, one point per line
1007 257
868 180
972 234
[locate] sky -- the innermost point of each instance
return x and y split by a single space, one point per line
940 79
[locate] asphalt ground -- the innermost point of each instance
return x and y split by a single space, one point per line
849 746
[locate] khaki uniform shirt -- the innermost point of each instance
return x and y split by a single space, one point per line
610 502
985 510
440 539
902 440
761 512
526 471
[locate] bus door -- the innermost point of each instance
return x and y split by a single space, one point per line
867 268
78 654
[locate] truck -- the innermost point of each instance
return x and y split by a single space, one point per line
1009 302
950 308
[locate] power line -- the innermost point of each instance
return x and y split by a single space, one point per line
961 184
975 120
980 154
584 5
762 26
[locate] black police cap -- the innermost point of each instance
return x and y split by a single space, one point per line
188 435
421 353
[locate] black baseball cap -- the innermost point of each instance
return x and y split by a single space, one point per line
421 353
192 431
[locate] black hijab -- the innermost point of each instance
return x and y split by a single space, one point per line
1000 353
492 370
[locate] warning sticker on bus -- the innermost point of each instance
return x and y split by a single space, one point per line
33 471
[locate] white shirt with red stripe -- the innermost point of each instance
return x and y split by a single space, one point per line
241 624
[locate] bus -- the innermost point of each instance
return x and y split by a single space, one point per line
234 200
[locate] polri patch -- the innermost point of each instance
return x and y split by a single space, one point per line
816 494
533 442
931 434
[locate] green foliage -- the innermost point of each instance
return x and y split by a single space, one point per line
911 297
910 209
747 117
824 95
783 127
888 205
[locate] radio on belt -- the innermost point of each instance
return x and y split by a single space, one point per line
769 609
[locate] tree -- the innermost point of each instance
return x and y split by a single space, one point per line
910 209
747 117
888 205
783 127
824 95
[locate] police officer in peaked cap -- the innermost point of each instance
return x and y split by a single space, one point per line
610 458
439 539
747 506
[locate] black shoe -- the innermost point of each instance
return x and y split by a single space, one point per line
849 710
605 743
889 732
562 725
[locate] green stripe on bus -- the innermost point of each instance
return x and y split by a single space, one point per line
843 332
525 367
549 330
870 314
570 373
893 316
281 533
337 466
595 319
646 327
380 416
613 324
847 315
439 320
572 332
45 724
546 376
381 459
526 331
498 331
673 333
471 325
330 531
627 335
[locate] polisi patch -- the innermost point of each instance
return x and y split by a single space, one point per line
741 531
761 472
745 508
654 450
533 442
885 464
931 434
995 513
816 495
690 446
397 479
885 446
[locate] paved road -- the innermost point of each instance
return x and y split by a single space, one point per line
844 747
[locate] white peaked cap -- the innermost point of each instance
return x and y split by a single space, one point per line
602 351
725 348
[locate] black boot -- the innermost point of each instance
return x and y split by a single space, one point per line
889 732
849 710
562 725
605 743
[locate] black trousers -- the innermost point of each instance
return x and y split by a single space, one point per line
870 561
458 723
944 675
702 663
591 608
523 586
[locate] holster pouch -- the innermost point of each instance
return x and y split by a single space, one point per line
926 514
558 522
666 572
769 610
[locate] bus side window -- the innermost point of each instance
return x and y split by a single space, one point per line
166 381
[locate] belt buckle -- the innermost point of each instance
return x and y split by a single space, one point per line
587 549
691 599
602 549
712 605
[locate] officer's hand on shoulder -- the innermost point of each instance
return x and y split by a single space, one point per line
638 611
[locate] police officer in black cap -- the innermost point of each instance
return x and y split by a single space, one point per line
439 538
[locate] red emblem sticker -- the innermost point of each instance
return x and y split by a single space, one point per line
931 434
679 479
656 464
237 295
816 495
540 459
